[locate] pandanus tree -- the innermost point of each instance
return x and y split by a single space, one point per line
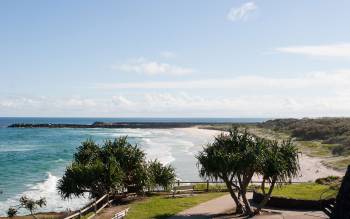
132 161
112 167
237 156
94 170
280 163
98 170
160 175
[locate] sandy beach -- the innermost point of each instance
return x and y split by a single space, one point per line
311 168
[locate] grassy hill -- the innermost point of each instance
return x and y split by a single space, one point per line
328 138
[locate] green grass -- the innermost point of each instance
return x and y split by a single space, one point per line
316 148
217 187
164 206
304 191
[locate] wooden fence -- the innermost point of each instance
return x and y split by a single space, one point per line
96 206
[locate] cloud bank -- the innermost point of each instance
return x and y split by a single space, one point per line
340 50
242 12
144 66
311 94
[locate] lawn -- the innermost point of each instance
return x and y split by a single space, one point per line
213 187
163 206
304 191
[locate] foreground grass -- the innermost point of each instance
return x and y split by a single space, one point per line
218 187
305 191
163 206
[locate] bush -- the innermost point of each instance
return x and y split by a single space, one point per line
30 204
329 180
160 175
112 167
338 150
328 130
11 212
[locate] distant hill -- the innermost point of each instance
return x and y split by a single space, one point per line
327 130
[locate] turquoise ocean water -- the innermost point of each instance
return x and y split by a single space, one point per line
32 160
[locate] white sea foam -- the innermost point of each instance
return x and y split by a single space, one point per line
15 149
158 150
175 146
48 190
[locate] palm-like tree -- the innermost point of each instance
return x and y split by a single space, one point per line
237 156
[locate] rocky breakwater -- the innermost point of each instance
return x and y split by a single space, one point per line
107 125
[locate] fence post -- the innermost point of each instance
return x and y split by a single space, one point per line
95 207
178 182
79 213
207 185
109 204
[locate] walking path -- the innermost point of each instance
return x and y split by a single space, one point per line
205 210
219 208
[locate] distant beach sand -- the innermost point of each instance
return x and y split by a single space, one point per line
311 168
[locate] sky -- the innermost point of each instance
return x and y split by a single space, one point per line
162 58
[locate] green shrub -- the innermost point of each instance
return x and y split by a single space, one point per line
329 180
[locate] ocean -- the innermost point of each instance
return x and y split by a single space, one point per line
33 160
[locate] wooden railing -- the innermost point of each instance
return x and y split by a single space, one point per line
98 205
95 207
220 185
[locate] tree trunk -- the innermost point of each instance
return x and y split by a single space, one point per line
266 197
239 207
33 215
244 185
248 209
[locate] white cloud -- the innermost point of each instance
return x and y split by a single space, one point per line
340 50
121 101
311 94
142 65
317 80
242 12
167 54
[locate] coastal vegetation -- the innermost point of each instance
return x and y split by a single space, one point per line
328 138
29 204
237 156
114 167
332 132
160 175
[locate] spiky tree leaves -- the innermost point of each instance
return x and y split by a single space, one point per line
224 159
161 175
30 204
280 163
96 178
237 156
11 212
131 160
98 170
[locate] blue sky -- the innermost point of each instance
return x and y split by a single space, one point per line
175 58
